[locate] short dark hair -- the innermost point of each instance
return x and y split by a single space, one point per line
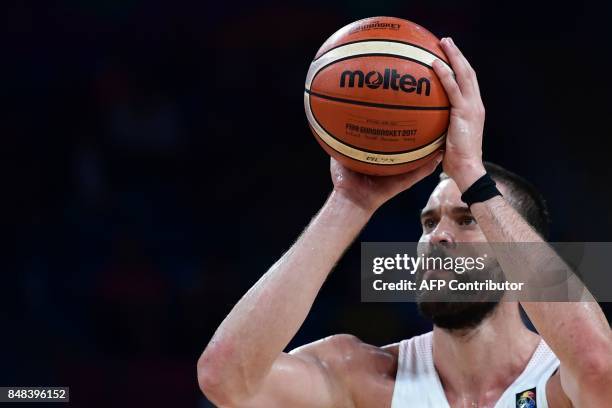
523 197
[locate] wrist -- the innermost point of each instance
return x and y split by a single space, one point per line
480 191
466 175
354 203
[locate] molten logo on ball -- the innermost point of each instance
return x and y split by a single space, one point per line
390 80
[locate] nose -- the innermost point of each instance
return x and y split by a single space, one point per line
443 234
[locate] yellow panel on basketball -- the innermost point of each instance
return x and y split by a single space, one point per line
372 98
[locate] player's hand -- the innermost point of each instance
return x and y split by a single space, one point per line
463 157
370 192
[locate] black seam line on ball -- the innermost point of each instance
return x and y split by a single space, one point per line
384 40
367 150
377 54
376 105
368 162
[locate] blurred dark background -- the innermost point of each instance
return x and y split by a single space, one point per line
158 161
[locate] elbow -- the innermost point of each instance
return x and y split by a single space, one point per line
215 377
210 373
209 381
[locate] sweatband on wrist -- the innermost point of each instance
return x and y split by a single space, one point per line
483 189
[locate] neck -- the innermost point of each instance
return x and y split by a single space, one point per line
476 366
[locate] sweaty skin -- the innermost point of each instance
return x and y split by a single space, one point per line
244 364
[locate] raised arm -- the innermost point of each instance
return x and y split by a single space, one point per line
577 332
244 363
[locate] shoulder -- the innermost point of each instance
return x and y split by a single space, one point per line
392 348
348 354
365 371
334 343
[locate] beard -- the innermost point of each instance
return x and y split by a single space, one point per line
463 311
457 316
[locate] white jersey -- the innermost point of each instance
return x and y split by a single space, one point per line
417 383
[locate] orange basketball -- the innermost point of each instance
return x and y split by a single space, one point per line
372 98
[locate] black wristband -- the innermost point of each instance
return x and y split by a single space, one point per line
482 189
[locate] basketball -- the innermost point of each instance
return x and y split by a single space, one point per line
372 98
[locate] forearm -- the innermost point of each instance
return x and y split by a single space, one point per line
267 317
585 325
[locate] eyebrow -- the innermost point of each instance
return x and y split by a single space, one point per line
455 210
427 213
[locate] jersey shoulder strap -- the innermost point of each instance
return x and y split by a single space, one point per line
529 388
417 383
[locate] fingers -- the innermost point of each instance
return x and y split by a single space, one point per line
465 74
413 177
448 82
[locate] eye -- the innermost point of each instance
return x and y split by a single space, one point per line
466 221
429 223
